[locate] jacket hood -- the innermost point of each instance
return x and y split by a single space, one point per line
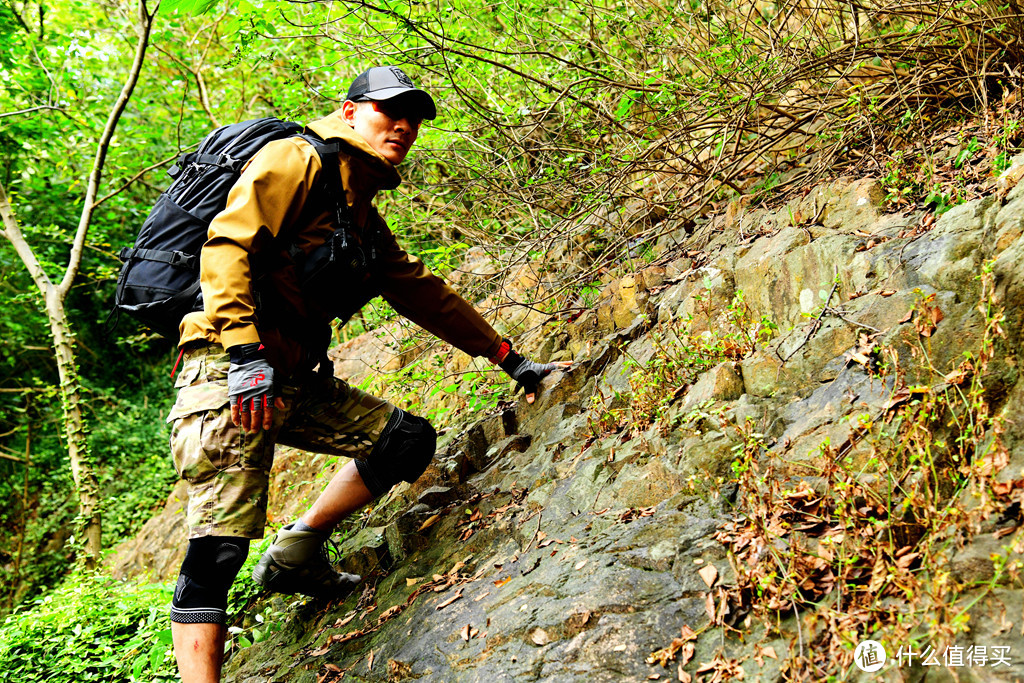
375 172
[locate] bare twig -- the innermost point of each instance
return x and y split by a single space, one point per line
128 183
42 107
815 324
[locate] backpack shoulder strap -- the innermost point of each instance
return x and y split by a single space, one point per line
330 184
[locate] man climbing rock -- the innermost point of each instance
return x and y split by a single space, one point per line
255 369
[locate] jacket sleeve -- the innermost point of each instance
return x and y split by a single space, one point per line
267 198
419 295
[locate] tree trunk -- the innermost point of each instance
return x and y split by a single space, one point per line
83 471
55 296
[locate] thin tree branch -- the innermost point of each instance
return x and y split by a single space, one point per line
30 110
128 183
12 231
145 25
10 6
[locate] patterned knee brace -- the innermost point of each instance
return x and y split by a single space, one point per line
209 568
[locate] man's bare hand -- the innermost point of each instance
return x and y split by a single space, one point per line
251 421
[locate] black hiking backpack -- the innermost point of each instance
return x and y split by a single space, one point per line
159 279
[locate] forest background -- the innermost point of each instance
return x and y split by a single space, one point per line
582 126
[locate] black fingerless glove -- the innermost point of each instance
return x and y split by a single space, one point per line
525 372
250 377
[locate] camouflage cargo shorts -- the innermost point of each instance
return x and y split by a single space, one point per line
228 470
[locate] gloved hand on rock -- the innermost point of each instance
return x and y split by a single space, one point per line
526 373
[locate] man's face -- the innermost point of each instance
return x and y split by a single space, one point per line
387 126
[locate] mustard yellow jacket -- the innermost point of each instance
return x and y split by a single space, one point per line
275 204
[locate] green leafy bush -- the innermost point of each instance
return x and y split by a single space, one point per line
90 628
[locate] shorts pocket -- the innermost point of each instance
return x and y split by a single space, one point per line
203 439
191 369
199 398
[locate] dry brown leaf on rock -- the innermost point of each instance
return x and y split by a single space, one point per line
709 574
681 648
964 372
766 651
390 613
540 637
449 601
929 318
344 620
430 521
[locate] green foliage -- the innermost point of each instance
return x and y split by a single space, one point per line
475 390
129 443
128 440
679 357
90 628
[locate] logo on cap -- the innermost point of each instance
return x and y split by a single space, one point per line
402 78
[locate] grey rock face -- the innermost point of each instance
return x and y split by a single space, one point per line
564 540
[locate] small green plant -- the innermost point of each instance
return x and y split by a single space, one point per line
678 358
967 152
938 199
900 180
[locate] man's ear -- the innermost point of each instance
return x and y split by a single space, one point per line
348 112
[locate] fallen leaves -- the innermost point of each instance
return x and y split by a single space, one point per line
872 240
630 514
721 669
438 584
344 620
929 316
430 521
865 353
681 648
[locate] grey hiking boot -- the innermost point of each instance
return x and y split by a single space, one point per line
298 562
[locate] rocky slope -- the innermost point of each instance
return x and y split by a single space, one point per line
698 497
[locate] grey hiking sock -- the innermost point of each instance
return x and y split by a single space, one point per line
302 526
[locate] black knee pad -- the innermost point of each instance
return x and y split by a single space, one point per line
405 448
210 566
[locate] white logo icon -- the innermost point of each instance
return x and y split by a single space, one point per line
869 656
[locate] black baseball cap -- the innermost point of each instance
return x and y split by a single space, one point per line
386 82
